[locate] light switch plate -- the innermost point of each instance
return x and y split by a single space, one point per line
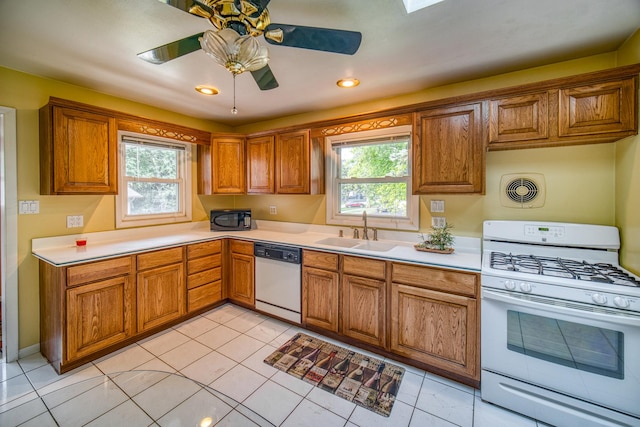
28 207
273 210
437 206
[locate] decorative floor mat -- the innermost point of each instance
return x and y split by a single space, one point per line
363 380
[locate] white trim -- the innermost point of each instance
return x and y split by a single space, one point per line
9 224
28 351
125 221
412 222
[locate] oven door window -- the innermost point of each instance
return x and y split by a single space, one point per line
578 346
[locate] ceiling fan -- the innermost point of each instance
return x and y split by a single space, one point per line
237 24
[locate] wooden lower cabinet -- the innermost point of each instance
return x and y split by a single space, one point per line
320 298
363 309
99 315
160 285
241 287
433 325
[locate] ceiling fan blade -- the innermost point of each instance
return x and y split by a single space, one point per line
265 78
261 5
173 50
324 39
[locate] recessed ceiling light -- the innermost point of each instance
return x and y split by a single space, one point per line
207 90
348 83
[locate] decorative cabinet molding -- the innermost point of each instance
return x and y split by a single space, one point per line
448 150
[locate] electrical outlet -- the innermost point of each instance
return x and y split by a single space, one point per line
75 221
437 206
438 221
273 210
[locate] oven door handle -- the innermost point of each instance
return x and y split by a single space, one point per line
564 307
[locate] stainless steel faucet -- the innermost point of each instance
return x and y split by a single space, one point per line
365 231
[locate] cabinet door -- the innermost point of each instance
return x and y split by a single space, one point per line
161 295
98 315
435 328
241 280
84 153
598 109
519 118
228 165
320 298
293 163
261 165
448 153
363 309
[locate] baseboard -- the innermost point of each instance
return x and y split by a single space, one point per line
28 351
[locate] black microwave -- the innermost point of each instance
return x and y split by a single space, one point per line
230 219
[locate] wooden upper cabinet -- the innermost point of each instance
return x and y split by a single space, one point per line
599 108
448 150
519 118
228 165
261 165
78 151
293 163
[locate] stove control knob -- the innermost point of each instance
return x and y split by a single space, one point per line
509 284
525 287
621 302
599 298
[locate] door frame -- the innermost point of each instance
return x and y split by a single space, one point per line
9 233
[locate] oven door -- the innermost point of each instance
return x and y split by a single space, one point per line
579 350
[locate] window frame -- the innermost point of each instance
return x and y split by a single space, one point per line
333 202
184 179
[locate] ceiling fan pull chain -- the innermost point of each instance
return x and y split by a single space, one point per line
234 110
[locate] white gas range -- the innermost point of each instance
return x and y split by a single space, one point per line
560 324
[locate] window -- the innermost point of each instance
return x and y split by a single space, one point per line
371 171
154 181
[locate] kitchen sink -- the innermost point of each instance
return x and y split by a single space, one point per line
367 245
339 241
370 245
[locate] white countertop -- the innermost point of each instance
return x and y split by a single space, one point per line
62 251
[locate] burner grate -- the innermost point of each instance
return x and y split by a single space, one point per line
562 267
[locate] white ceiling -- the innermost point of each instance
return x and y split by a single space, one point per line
94 44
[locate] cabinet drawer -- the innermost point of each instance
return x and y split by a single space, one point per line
205 263
199 279
322 260
364 267
241 247
206 248
158 258
434 278
98 270
204 295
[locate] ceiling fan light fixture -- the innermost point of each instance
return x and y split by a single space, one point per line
206 90
348 83
234 52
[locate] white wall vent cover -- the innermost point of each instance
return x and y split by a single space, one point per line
522 190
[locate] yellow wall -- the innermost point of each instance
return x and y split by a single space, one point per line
581 180
628 177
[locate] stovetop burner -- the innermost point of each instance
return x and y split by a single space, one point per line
562 267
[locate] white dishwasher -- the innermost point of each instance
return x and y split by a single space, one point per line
278 280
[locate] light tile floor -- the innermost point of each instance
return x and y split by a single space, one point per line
224 349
